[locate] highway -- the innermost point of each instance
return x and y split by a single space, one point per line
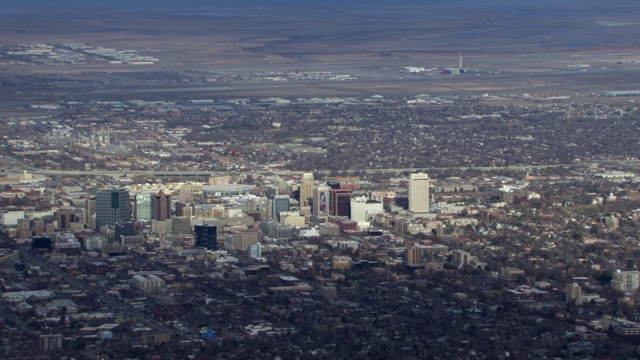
17 165
188 173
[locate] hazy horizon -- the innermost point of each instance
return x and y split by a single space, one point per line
210 4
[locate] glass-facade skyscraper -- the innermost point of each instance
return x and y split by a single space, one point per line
206 236
112 206
144 203
280 203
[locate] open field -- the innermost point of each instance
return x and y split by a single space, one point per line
525 49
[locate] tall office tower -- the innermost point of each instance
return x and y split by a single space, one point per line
412 256
24 229
341 202
320 208
185 196
280 203
206 236
90 212
252 205
183 209
574 294
189 210
306 188
38 226
112 206
23 224
264 207
65 217
161 206
144 205
419 193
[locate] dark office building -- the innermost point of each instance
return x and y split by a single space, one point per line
112 206
161 206
180 209
403 202
125 229
65 217
281 203
206 236
41 243
272 192
333 185
341 202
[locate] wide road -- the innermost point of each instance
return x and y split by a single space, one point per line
261 169
188 173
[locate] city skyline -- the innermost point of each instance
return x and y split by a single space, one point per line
350 180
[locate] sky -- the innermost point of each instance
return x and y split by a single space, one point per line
186 4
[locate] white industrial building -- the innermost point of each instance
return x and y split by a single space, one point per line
148 283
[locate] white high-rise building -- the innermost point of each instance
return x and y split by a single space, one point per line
363 209
419 193
306 188
574 294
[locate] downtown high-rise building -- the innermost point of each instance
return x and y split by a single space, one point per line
144 204
185 209
413 256
90 213
363 209
306 188
206 236
280 204
112 207
161 206
243 238
341 202
320 204
419 193
66 216
573 294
